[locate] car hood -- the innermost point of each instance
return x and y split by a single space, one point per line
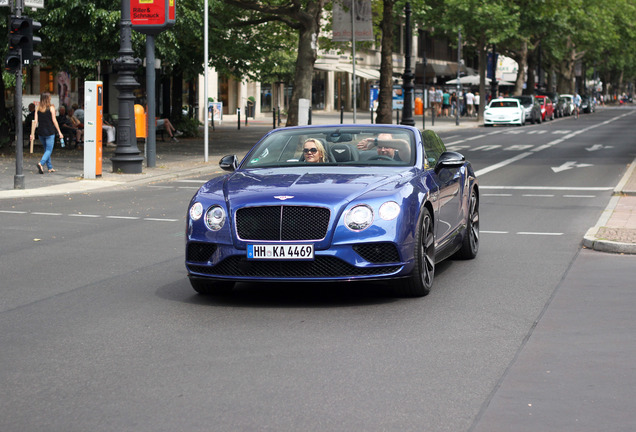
326 186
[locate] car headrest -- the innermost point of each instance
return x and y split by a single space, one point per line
344 153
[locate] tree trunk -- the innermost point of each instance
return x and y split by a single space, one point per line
521 58
307 53
385 95
532 67
483 60
177 96
4 125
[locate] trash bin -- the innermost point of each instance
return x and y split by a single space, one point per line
140 121
419 106
250 109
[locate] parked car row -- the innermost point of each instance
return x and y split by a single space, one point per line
518 110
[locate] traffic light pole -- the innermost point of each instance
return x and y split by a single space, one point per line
18 179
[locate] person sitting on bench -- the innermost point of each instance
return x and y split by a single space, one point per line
165 124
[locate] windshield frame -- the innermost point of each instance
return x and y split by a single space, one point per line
283 147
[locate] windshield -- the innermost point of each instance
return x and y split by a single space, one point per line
350 145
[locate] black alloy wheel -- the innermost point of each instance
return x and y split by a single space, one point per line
421 280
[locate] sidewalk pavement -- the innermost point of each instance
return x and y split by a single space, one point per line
615 231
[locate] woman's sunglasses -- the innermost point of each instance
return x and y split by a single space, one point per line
310 150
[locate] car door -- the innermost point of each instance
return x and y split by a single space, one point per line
449 208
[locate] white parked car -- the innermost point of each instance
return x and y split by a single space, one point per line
569 100
504 111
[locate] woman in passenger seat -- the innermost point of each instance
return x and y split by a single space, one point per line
314 151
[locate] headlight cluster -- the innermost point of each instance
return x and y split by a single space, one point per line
360 217
214 218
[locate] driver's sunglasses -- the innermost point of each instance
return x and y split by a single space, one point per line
310 150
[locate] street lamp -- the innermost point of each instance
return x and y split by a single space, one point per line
407 78
127 159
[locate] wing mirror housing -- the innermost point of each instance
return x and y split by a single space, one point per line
450 159
229 163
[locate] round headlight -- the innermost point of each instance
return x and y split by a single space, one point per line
359 218
389 210
215 218
196 211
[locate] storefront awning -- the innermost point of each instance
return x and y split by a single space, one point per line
362 72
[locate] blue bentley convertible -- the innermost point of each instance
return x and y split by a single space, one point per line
334 203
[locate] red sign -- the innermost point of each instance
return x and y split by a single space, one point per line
152 16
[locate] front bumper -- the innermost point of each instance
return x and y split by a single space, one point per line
342 262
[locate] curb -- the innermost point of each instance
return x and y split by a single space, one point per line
590 239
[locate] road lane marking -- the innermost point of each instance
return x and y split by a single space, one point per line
545 188
546 146
84 215
539 233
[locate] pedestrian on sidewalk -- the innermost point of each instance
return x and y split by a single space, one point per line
46 123
470 101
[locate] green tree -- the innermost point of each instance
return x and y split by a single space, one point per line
303 17
482 22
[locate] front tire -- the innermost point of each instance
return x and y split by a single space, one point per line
470 244
420 281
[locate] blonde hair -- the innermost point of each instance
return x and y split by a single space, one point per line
45 102
320 147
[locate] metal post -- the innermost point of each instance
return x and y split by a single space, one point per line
18 179
126 159
424 89
341 114
309 117
274 118
238 118
407 77
206 131
459 67
151 140
353 52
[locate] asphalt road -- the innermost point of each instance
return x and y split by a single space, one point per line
100 330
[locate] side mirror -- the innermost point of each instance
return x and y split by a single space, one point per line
450 159
229 163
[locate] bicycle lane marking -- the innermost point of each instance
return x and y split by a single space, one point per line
551 144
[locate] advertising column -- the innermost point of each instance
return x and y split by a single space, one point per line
93 115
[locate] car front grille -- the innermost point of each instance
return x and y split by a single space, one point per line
282 223
320 267
378 252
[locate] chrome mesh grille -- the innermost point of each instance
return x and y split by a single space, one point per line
200 252
282 223
378 252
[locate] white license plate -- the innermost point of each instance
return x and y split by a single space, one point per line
281 252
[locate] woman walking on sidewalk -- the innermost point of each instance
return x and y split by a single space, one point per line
47 125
